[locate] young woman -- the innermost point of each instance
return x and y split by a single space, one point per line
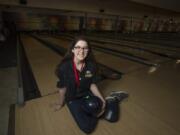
77 78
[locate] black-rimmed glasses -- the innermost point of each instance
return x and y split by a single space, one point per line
81 48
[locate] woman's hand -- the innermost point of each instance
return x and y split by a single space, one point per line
102 109
94 89
60 103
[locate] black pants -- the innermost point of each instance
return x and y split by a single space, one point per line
87 123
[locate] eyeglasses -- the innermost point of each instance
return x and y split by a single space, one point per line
86 49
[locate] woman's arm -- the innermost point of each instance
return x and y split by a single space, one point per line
62 92
94 89
60 103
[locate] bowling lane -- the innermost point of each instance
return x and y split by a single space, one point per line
135 42
38 118
152 107
141 51
156 93
43 62
168 50
122 65
136 52
133 49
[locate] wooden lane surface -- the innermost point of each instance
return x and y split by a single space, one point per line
153 47
43 62
122 65
140 53
126 47
157 93
140 44
165 71
37 118
152 108
156 48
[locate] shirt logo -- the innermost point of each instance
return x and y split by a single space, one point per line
88 74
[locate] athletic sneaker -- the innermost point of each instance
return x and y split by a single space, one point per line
110 98
119 95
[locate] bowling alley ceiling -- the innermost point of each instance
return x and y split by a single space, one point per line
95 5
165 4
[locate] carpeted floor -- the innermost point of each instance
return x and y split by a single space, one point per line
8 95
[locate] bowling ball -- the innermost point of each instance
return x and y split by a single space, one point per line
92 105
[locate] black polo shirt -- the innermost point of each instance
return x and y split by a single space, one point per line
67 79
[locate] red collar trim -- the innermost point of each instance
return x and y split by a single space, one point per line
76 73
